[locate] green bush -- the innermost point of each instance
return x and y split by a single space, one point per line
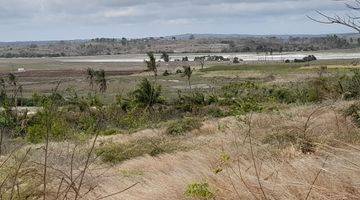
116 152
353 111
200 191
57 127
181 126
302 142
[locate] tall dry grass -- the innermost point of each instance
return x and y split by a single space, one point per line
237 157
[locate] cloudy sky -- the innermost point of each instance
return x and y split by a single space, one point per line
78 19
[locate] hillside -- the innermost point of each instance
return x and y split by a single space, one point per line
188 43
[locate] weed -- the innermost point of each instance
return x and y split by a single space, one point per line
200 191
116 152
179 127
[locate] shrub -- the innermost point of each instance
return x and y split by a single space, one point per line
58 129
166 73
353 111
116 153
351 85
285 139
147 94
191 102
200 191
179 127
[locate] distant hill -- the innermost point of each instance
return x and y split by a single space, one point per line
185 43
188 36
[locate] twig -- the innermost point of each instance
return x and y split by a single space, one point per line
253 158
110 195
317 176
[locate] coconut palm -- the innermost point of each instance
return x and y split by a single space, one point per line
12 79
147 94
90 75
202 62
101 80
165 56
151 63
188 72
13 82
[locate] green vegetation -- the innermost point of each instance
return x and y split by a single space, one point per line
179 127
199 191
118 152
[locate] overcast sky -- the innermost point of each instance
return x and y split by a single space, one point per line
80 19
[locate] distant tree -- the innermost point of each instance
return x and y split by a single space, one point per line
2 91
90 75
202 62
187 73
12 80
124 41
151 63
185 59
101 80
236 60
148 94
165 56
191 37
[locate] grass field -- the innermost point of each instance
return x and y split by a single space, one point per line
252 130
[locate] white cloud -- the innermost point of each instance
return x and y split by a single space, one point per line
102 15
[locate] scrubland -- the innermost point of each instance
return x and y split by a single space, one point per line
244 131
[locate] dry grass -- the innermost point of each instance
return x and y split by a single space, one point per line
223 159
234 166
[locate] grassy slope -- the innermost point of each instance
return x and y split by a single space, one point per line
223 146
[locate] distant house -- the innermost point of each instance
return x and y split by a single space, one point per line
21 69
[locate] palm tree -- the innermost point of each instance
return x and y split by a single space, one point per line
202 62
2 91
188 72
151 63
12 81
90 73
165 56
147 94
101 80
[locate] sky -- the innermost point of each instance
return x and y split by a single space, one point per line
23 20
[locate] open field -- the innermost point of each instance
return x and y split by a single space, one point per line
253 130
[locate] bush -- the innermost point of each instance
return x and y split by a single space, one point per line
282 140
351 85
353 111
200 191
166 73
58 129
191 102
147 94
179 127
116 153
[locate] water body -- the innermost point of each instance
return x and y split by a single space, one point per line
245 56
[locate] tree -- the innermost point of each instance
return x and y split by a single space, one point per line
101 80
349 20
90 75
124 41
202 62
147 94
188 72
236 60
151 63
165 56
2 91
13 82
